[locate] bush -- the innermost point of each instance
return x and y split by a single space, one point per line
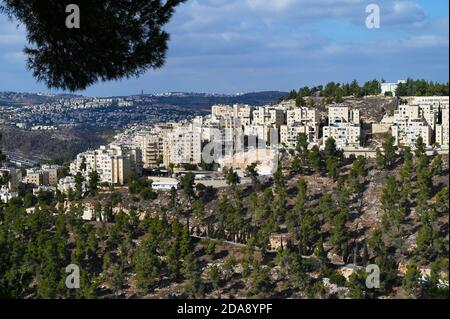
337 279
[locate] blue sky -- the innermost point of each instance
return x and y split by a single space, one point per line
229 46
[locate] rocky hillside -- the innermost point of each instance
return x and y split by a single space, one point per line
60 145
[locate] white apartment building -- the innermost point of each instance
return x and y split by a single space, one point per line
226 116
412 121
113 163
244 113
344 127
152 147
407 132
222 111
434 110
442 129
390 87
345 134
302 115
439 101
67 183
300 120
268 116
342 114
289 134
260 132
183 145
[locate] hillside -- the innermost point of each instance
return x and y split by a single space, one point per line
289 236
60 145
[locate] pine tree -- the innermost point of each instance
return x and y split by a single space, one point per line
389 151
116 279
195 287
394 212
252 172
420 147
146 265
411 283
262 283
118 48
93 182
214 277
79 185
314 159
302 148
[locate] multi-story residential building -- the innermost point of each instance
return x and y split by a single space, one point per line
47 175
289 133
406 132
433 110
244 113
36 177
345 134
152 147
113 163
439 101
222 111
268 116
183 145
226 116
442 129
300 120
68 183
342 114
52 171
344 127
390 87
412 121
302 115
430 114
260 132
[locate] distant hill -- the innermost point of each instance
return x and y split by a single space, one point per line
179 99
61 145
204 101
23 98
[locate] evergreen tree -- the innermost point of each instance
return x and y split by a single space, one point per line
118 47
262 283
394 213
195 287
146 265
214 277
252 172
232 178
389 151
79 185
116 279
314 159
93 182
411 281
420 147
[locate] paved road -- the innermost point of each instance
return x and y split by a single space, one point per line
20 160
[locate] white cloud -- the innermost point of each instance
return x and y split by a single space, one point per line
271 5
14 56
